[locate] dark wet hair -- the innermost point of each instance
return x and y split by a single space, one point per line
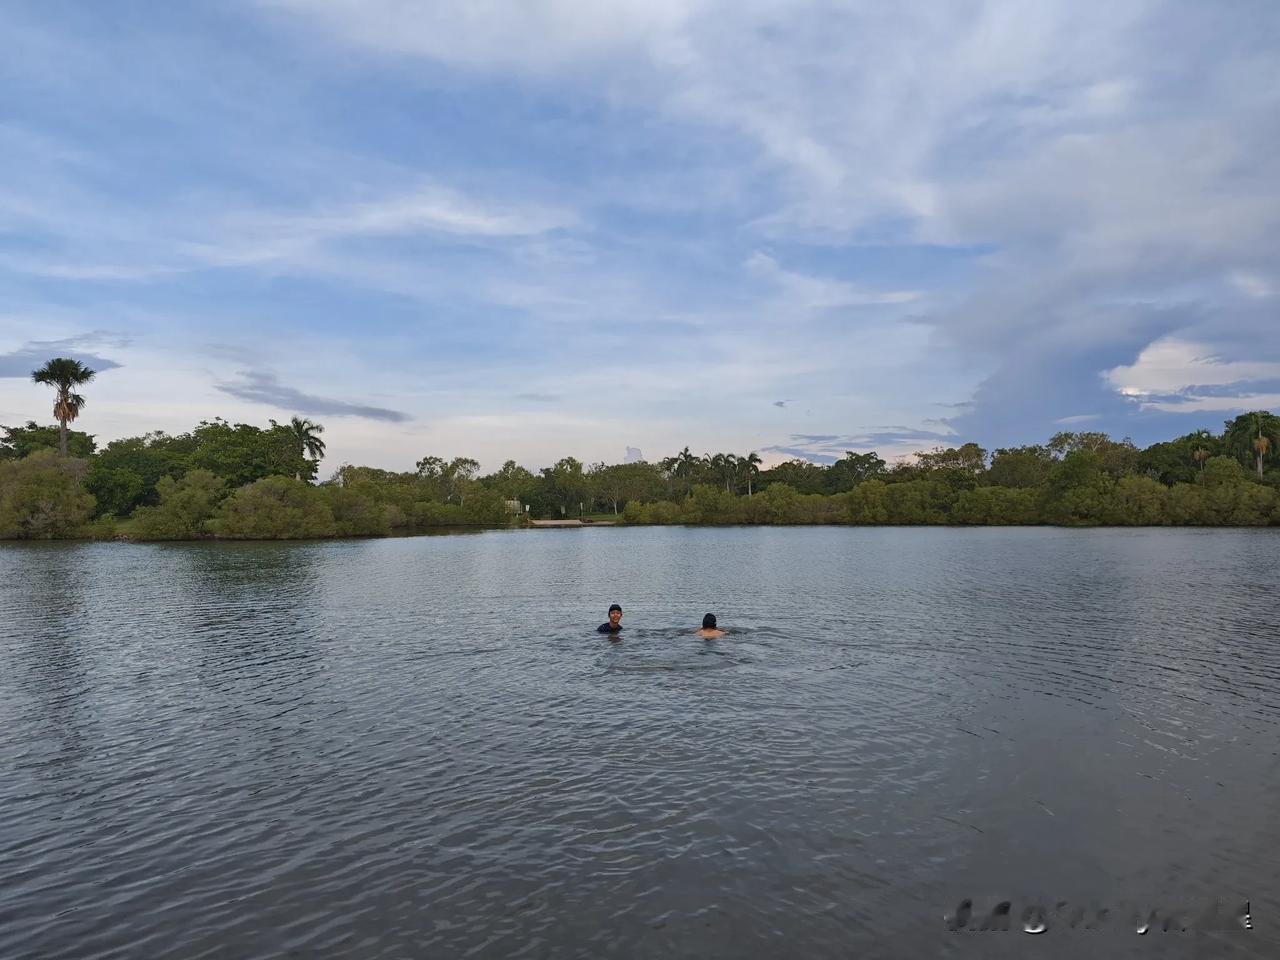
709 622
613 607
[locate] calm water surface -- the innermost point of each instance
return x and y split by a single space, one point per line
419 748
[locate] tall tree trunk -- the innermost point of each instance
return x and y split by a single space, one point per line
1259 458
62 436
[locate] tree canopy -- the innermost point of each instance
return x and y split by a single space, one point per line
239 480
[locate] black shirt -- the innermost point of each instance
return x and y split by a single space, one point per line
609 628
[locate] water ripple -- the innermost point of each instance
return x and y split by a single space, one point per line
421 748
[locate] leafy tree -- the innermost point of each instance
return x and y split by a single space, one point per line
275 508
662 512
1117 457
485 508
513 481
1221 472
358 511
125 474
1253 437
996 506
969 458
776 503
449 480
710 504
851 470
869 503
800 475
563 486
1187 505
1020 467
242 453
461 473
924 501
306 436
957 467
117 491
1139 502
1178 461
617 484
1079 490
42 497
64 375
19 442
185 507
1230 498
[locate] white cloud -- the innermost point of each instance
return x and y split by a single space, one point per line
1251 285
818 293
533 36
1171 365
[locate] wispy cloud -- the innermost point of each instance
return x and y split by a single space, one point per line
258 386
662 213
820 293
249 238
34 353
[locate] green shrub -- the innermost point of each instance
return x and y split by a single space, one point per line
357 512
1139 502
274 508
868 503
186 506
996 506
42 497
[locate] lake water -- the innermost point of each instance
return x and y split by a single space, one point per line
420 748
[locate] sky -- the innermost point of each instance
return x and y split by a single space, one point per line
611 229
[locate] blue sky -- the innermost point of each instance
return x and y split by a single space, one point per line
548 228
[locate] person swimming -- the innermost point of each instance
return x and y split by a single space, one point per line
709 629
615 621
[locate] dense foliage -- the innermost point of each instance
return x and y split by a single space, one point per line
240 481
42 497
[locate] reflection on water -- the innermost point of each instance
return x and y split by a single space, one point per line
421 747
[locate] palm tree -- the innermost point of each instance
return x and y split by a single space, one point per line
1200 455
751 466
1253 434
64 374
686 464
307 436
716 466
1261 447
730 472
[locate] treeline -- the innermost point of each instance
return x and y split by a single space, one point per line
241 481
234 481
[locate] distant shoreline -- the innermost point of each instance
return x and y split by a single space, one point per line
577 525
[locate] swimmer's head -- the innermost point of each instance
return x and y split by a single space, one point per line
709 622
615 613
